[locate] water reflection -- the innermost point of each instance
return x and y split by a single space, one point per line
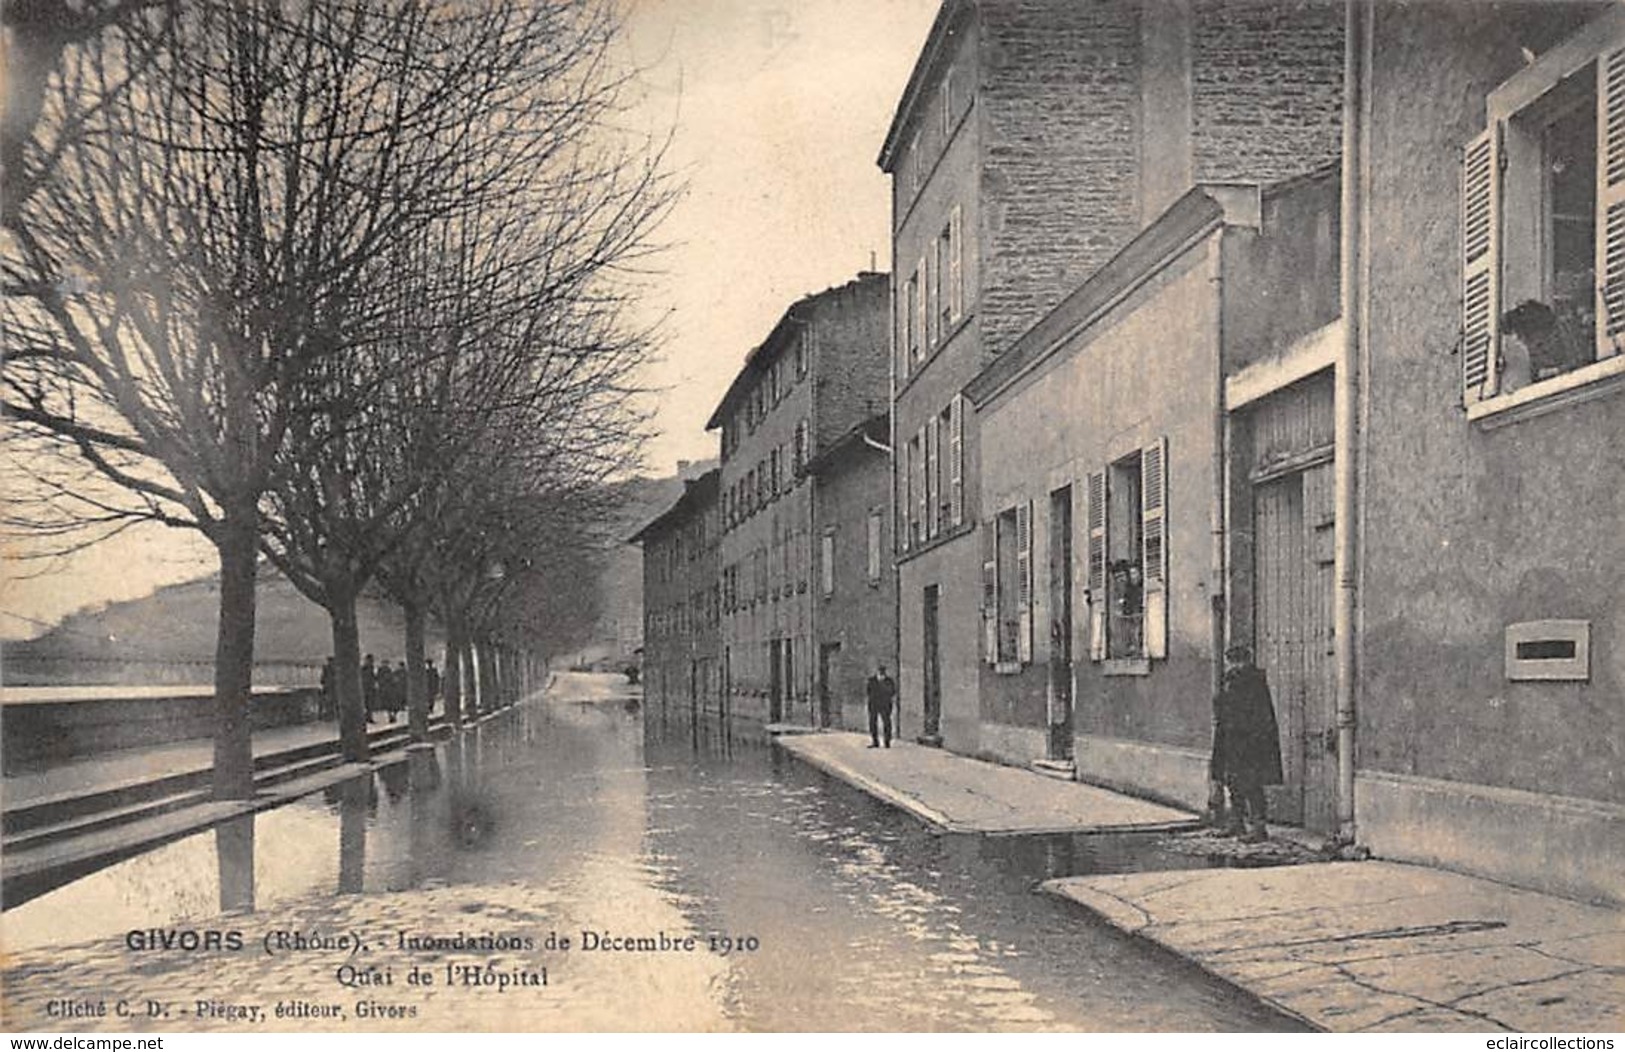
234 847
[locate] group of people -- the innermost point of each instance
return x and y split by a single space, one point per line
383 687
1246 742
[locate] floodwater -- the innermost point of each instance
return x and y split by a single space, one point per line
851 915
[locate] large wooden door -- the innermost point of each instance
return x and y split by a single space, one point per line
1293 595
1060 634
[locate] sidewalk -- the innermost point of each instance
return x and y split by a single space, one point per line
960 795
1345 946
1380 946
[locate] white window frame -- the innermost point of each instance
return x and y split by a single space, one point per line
1601 42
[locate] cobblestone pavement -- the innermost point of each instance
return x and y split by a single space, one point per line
1378 946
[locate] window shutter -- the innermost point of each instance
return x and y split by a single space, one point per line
990 592
1154 554
956 256
1610 202
1481 278
899 294
933 478
933 306
919 489
905 500
921 314
1024 581
956 461
1096 522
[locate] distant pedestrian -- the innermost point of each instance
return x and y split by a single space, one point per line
393 689
330 695
369 686
1246 744
882 694
431 681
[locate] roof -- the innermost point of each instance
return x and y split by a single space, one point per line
1200 211
756 361
695 493
875 429
936 41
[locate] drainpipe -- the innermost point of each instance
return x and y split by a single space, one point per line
1219 582
1356 72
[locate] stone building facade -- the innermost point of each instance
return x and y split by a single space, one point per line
819 373
1033 140
855 601
682 604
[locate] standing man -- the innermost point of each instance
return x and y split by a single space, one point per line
1246 743
431 681
369 686
882 694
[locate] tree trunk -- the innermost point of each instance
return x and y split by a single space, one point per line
454 679
347 663
238 544
417 697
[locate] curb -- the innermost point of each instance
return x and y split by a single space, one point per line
885 793
1122 918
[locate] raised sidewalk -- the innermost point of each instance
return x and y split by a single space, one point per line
1345 946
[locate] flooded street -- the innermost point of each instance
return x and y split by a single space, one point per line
841 912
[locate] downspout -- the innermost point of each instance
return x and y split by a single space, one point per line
1217 516
1356 72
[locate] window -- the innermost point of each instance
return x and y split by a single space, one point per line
954 308
826 564
944 318
916 164
803 352
773 476
905 498
873 536
1007 587
1128 556
911 321
946 93
917 483
1543 227
933 461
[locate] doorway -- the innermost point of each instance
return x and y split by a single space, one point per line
1294 526
1060 632
827 654
932 671
775 682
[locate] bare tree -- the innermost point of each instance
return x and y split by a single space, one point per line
211 188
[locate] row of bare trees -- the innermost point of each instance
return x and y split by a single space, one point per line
342 285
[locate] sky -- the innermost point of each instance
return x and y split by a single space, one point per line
776 112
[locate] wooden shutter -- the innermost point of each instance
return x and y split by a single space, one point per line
933 306
990 592
899 294
1480 257
956 461
905 499
1610 202
956 266
1095 522
933 480
921 315
1154 549
920 498
1024 582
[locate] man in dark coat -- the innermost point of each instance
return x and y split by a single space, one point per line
882 693
369 686
1246 742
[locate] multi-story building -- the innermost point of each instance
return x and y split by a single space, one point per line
682 604
855 602
1032 141
1489 571
820 372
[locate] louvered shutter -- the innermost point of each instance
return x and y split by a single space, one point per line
1095 521
956 265
900 301
1024 582
1611 203
905 501
1154 553
990 592
921 314
933 478
956 461
920 498
1481 278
